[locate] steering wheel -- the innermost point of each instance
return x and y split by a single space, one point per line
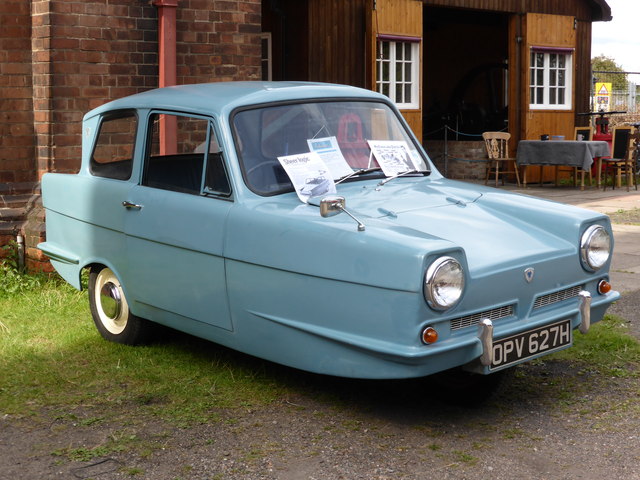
261 165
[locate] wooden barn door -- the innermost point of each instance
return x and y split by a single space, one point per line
394 55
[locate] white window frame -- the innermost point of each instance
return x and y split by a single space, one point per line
392 70
266 60
545 80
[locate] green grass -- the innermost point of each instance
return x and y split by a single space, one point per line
51 357
607 348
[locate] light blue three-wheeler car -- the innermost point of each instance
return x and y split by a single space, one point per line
192 209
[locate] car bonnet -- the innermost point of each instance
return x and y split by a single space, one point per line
492 228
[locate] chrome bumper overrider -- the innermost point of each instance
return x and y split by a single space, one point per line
585 311
485 328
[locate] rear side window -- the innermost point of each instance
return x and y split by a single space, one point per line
183 156
113 152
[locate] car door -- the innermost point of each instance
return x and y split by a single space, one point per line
175 224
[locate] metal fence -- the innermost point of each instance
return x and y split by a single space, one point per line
622 91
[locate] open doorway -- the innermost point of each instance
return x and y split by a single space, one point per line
465 73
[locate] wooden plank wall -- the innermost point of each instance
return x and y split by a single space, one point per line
399 17
337 41
553 31
581 9
583 71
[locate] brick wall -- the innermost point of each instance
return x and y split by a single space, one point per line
465 160
83 53
17 161
86 53
218 40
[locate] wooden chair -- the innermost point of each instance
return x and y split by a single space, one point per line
587 135
621 161
586 132
497 145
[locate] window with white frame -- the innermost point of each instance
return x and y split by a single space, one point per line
267 61
398 70
550 82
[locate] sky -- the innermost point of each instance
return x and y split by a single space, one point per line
619 38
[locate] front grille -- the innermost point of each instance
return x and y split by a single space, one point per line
558 296
474 319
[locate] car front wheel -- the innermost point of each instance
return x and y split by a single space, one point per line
110 309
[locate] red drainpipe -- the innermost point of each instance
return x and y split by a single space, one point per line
167 68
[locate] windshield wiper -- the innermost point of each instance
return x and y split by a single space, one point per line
402 174
356 172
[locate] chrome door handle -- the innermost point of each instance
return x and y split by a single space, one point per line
129 205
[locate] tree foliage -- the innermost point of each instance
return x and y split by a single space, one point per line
617 76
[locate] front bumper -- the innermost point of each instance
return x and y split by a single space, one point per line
487 359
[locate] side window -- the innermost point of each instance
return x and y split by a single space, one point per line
113 152
182 152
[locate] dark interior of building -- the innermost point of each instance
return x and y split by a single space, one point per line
465 72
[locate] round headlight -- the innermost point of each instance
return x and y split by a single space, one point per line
443 283
595 247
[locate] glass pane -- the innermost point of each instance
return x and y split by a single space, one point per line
407 51
539 77
540 95
399 72
177 165
532 76
552 96
385 50
562 61
561 100
407 72
540 59
113 153
385 89
385 72
553 60
561 78
399 97
552 77
407 93
399 51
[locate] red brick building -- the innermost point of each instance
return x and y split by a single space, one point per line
61 58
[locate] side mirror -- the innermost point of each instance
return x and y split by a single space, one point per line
332 205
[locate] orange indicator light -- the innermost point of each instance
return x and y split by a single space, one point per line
429 335
604 287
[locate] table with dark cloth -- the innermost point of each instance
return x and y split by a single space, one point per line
568 153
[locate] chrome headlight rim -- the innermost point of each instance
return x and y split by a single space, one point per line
433 283
591 241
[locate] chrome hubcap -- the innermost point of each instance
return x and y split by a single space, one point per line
110 300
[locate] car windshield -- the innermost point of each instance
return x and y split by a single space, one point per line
349 137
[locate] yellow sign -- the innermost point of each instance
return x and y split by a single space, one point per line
602 100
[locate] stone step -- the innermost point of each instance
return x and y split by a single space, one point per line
18 188
7 214
11 227
15 201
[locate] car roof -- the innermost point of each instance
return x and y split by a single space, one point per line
220 97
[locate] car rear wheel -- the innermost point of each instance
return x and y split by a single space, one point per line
110 310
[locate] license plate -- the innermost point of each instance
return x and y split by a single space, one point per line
520 347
